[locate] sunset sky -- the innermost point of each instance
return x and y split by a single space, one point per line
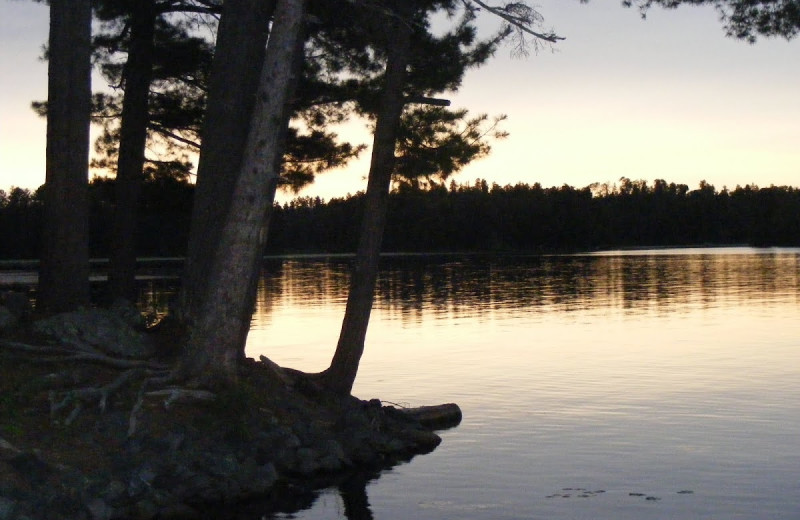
667 97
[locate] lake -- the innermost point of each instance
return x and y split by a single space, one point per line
653 384
650 384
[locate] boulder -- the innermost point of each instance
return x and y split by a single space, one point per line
97 330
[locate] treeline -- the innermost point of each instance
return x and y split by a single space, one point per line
162 220
462 217
483 217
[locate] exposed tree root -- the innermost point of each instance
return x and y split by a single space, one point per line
48 354
181 394
155 381
81 396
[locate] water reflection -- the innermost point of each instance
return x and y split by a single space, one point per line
354 495
440 286
413 287
348 494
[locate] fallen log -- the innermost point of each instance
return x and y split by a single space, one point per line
437 417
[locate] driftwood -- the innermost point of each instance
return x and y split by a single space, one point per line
438 417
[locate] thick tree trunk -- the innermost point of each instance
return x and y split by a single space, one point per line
241 40
216 335
137 76
252 292
341 374
64 271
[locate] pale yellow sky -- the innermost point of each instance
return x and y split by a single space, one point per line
669 97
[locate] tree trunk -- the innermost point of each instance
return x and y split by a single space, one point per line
137 76
252 291
64 271
241 40
341 374
213 348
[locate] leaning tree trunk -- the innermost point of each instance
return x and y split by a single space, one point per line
341 374
137 75
64 271
213 348
252 291
241 39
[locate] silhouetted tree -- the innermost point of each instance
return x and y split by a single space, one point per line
136 76
241 40
405 70
64 269
139 29
342 371
213 350
743 19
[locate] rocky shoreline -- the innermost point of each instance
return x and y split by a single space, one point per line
276 435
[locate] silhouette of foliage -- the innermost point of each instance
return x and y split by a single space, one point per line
460 217
743 19
521 217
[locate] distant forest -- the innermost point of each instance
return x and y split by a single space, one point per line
459 217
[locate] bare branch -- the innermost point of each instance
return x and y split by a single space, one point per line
172 135
424 100
522 17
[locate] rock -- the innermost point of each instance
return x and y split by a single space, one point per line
96 329
265 477
115 491
332 457
193 487
7 508
306 461
67 505
224 466
99 510
178 512
394 446
420 441
145 510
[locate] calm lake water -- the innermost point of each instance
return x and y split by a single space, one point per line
661 384
657 384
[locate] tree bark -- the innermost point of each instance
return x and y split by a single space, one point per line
283 130
241 40
137 75
215 337
64 271
341 374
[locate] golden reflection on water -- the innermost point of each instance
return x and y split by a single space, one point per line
441 287
301 303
